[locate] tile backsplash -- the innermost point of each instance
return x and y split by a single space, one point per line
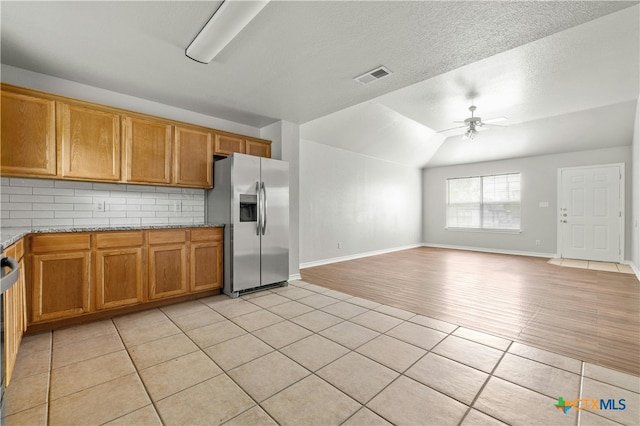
47 202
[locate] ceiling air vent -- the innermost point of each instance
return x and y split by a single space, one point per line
373 75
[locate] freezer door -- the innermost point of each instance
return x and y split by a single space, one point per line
245 244
275 221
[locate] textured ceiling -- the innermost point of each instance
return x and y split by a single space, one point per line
582 83
296 61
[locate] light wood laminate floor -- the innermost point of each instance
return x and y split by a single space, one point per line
590 315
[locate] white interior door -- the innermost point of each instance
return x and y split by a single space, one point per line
591 213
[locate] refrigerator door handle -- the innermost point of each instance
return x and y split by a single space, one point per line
259 213
264 209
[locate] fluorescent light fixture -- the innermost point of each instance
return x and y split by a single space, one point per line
230 18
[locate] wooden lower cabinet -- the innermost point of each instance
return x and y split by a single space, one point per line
119 269
206 259
167 271
15 306
76 274
118 277
61 283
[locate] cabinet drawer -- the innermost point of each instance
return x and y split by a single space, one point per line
119 239
167 236
60 242
207 234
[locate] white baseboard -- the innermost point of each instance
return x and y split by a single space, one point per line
294 277
355 256
490 250
635 268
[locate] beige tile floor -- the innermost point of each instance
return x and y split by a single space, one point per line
596 266
299 355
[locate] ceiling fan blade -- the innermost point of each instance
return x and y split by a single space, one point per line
495 120
453 128
495 125
458 121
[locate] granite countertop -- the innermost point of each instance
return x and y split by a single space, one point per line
9 236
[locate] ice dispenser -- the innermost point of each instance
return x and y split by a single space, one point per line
248 208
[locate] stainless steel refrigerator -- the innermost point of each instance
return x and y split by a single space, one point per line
250 196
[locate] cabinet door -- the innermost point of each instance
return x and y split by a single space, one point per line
14 322
228 144
28 142
167 270
118 277
206 265
193 157
90 143
148 156
258 148
60 286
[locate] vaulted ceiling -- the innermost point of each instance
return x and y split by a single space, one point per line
564 73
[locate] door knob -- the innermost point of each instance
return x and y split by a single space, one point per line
563 221
564 215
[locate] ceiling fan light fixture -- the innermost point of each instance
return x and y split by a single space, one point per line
225 24
470 134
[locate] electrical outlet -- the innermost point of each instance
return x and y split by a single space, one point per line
537 242
179 206
99 206
175 206
339 245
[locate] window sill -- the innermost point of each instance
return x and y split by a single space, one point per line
486 231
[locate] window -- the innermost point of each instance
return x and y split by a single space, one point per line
484 202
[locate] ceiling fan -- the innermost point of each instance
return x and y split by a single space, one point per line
474 124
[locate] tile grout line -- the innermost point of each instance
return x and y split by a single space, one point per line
484 385
224 372
257 404
50 379
314 373
580 389
144 386
400 374
428 351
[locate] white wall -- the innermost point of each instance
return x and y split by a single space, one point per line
273 132
364 203
539 183
41 203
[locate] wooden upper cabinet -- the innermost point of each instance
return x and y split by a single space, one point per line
45 135
228 144
28 135
193 157
147 146
89 141
259 148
